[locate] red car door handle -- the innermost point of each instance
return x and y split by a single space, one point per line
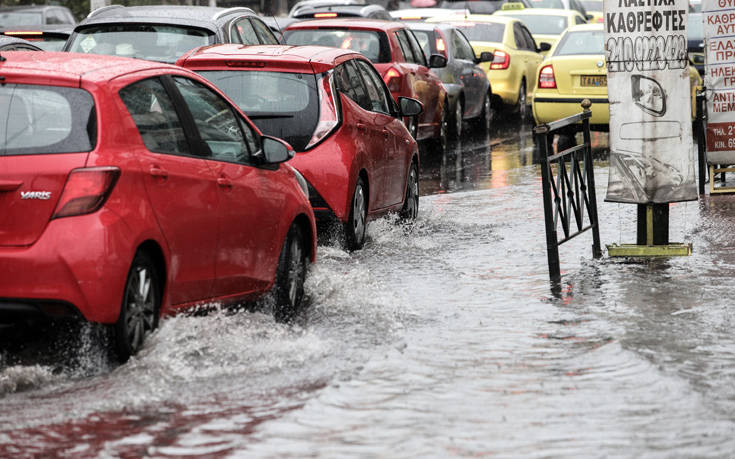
9 185
362 128
158 172
224 182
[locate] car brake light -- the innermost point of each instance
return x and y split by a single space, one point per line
19 33
86 190
325 15
441 46
501 60
393 80
546 77
328 113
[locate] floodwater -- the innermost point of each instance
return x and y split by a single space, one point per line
439 340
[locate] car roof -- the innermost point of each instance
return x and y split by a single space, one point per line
429 25
354 23
578 27
538 12
293 57
30 7
498 19
201 16
10 40
72 67
425 12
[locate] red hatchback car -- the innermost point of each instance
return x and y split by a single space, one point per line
333 107
396 54
131 189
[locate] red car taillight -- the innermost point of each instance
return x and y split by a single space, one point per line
328 112
441 47
501 60
86 190
546 77
393 80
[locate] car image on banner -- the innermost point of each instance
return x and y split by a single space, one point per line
651 151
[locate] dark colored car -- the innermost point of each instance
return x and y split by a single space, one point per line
17 44
340 11
48 38
32 17
332 106
131 189
396 54
468 90
164 33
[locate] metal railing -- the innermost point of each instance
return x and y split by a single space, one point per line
571 191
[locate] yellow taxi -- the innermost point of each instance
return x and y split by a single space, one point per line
512 72
545 24
575 70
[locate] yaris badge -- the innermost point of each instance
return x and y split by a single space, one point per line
42 195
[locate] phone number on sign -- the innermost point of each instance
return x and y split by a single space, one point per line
624 54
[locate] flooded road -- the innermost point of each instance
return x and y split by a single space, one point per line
439 340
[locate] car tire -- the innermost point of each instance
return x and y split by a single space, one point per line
456 131
140 307
485 120
522 104
288 288
356 225
442 143
410 209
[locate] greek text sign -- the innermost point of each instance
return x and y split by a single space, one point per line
719 78
651 150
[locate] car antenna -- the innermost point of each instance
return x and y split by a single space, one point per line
280 31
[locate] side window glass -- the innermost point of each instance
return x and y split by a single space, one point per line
357 91
518 35
216 121
405 47
155 116
530 42
579 20
55 17
375 89
418 53
263 32
469 51
251 139
244 32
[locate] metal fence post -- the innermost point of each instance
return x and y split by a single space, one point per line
552 248
596 247
701 138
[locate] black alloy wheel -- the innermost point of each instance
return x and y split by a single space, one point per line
456 131
484 122
522 106
290 275
356 226
411 203
140 307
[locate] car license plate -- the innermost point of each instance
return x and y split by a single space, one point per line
593 80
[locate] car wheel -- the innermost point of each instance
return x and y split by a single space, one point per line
356 226
140 306
411 204
522 106
442 142
484 122
290 275
456 131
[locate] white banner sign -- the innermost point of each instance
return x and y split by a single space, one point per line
719 79
651 150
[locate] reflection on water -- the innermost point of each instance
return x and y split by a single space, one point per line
438 339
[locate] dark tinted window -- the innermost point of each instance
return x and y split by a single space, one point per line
405 47
216 121
264 33
530 43
371 44
46 119
418 53
153 113
374 85
284 105
349 82
482 31
426 41
163 43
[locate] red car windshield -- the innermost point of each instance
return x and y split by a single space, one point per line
371 44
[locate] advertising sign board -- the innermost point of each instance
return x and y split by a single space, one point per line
652 155
719 79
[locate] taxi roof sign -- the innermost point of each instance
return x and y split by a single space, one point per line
512 6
